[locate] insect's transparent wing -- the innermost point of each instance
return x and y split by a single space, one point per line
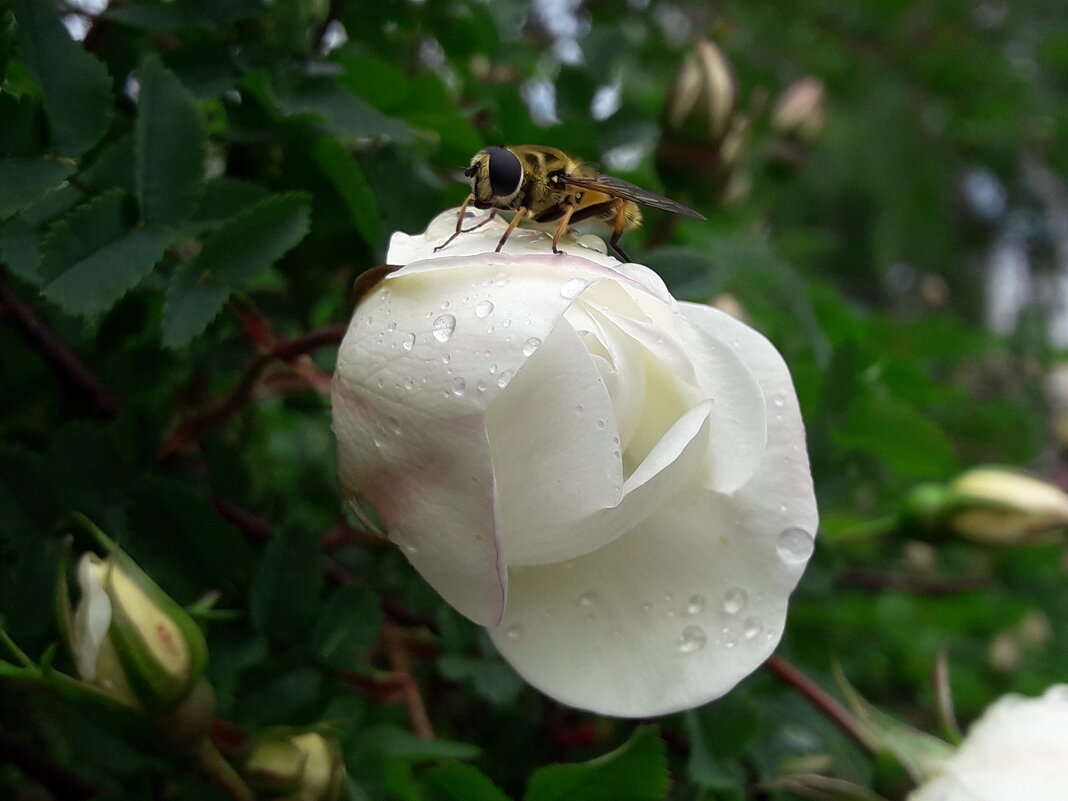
628 191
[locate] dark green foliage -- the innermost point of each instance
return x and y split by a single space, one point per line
188 192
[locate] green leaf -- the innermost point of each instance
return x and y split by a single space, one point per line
490 677
455 781
24 181
706 766
345 114
395 742
20 248
285 593
95 284
238 251
170 147
193 300
347 627
341 169
636 771
85 229
75 84
899 435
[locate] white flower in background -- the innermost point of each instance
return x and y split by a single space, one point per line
614 483
1017 751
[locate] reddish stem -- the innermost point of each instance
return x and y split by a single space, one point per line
823 702
58 355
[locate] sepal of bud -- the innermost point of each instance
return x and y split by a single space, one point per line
800 112
130 638
305 766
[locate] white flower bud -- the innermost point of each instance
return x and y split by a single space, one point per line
613 482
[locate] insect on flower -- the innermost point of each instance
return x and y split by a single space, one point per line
555 190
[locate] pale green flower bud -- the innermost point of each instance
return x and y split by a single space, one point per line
298 767
132 640
992 506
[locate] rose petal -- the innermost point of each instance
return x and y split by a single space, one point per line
92 617
784 470
555 452
668 617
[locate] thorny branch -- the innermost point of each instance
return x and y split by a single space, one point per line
293 352
64 362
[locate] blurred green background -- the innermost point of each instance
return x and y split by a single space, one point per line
189 189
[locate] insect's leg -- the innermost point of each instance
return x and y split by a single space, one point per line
564 221
459 222
490 216
617 231
511 227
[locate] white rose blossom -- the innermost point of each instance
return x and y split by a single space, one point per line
613 482
1017 751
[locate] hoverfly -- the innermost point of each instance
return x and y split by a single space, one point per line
554 189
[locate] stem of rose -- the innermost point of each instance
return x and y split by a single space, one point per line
788 673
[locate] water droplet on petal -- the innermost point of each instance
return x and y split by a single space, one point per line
443 327
411 550
484 309
647 607
408 342
734 600
588 599
531 345
795 545
692 639
779 401
458 386
391 328
696 605
482 385
504 378
573 288
394 424
515 632
752 627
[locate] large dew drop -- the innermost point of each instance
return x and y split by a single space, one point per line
444 325
794 545
692 639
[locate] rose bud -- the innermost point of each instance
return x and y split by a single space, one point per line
1018 749
299 767
130 639
700 105
613 482
992 506
800 112
703 139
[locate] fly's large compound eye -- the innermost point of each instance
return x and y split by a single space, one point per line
505 171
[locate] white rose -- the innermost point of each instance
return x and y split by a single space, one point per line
614 483
1017 751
